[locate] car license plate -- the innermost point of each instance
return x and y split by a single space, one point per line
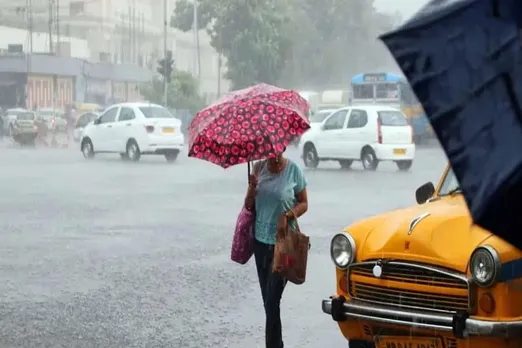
399 151
409 342
168 130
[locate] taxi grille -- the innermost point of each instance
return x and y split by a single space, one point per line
409 285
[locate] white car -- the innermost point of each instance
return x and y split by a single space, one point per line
369 134
10 118
132 130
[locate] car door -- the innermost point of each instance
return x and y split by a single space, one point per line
102 133
331 135
124 127
356 134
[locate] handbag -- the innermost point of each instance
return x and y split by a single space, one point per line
291 255
244 234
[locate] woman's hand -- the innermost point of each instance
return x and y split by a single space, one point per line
282 225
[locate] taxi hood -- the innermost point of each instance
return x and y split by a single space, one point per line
444 234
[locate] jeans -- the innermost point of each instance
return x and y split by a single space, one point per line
272 286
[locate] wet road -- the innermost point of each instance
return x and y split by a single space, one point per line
109 254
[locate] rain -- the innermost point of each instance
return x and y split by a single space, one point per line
118 213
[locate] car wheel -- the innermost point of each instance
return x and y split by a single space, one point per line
369 159
310 158
404 165
360 344
87 148
133 152
171 156
345 164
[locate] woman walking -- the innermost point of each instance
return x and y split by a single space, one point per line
277 192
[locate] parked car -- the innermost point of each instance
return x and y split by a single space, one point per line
10 118
81 122
369 134
25 129
54 118
426 276
132 130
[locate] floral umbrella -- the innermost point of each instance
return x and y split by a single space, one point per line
249 124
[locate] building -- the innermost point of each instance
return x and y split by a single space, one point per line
116 31
44 81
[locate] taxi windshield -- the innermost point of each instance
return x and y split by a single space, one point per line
450 184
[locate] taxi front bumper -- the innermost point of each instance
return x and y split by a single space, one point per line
460 324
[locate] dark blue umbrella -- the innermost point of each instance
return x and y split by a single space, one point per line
463 59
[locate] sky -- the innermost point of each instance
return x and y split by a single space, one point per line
405 7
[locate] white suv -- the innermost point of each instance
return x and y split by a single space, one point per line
132 130
369 134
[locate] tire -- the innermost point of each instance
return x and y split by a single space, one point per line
345 164
171 156
133 152
361 344
404 166
87 148
310 158
369 159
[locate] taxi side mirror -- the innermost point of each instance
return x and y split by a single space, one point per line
424 192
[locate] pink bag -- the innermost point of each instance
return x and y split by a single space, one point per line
244 234
243 241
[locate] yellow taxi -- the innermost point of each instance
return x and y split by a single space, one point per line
426 277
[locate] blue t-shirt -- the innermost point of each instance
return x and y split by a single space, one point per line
275 196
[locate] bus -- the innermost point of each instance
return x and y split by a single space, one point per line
391 90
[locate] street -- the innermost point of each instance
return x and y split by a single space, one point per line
105 253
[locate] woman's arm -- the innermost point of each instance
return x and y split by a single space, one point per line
250 199
301 207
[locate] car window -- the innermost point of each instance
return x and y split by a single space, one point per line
358 119
392 118
449 184
109 115
319 116
155 112
336 121
26 116
126 114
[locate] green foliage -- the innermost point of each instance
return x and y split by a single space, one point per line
182 92
295 43
251 35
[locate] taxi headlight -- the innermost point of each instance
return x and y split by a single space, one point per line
484 266
342 250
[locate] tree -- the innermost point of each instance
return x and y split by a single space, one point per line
335 40
251 35
182 92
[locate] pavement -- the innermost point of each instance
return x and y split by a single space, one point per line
104 253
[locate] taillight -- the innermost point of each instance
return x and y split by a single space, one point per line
379 131
149 129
